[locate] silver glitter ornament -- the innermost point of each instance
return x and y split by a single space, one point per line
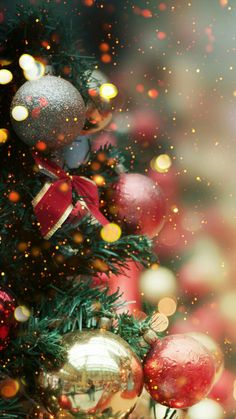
48 113
101 374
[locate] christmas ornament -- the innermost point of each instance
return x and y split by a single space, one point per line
138 203
77 153
127 282
98 115
53 204
178 371
214 349
156 283
47 113
7 319
101 374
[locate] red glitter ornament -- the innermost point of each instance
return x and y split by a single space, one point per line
178 371
7 320
138 203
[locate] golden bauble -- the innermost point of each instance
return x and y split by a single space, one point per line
101 374
98 116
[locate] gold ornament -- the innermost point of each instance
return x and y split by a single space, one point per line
98 116
101 374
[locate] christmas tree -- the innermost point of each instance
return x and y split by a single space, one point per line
72 220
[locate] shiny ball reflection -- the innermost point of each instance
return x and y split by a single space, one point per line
101 374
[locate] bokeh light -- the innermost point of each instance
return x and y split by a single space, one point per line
3 135
162 163
167 306
108 91
35 72
20 113
9 388
111 232
22 314
26 62
6 76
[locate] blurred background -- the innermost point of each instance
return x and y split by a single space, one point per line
174 64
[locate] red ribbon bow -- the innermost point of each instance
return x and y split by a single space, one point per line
53 204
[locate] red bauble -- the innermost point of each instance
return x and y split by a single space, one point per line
138 203
178 371
7 320
64 402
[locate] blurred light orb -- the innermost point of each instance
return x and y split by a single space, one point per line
108 91
159 322
35 72
206 409
26 62
167 306
6 76
22 314
3 135
111 232
162 163
227 306
19 113
157 283
9 388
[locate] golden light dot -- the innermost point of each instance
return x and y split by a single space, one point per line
167 306
162 163
99 180
26 62
78 238
111 232
21 314
9 388
19 113
6 76
3 135
108 91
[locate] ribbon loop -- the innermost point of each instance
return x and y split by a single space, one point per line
53 204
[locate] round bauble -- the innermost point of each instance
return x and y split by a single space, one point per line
214 349
7 319
77 153
156 283
98 116
178 371
101 373
138 203
47 113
